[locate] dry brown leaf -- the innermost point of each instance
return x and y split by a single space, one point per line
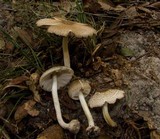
20 113
106 6
52 132
144 9
24 35
131 13
25 109
154 135
33 83
67 5
18 80
15 86
156 5
17 83
119 8
29 108
117 77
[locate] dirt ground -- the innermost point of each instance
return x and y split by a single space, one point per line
125 54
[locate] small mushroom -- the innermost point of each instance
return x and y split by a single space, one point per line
53 79
102 99
79 89
63 27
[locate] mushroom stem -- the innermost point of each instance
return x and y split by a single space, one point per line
56 103
107 117
66 52
74 125
91 130
86 109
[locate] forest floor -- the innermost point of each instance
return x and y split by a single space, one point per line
125 54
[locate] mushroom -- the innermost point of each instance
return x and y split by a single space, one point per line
102 99
79 89
53 79
64 28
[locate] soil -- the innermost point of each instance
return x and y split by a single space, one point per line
126 56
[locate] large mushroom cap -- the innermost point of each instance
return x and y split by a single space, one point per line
78 86
109 96
64 75
47 22
63 27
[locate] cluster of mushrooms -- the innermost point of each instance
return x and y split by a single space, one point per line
59 76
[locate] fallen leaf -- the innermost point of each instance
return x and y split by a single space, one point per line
52 132
17 83
106 6
156 5
131 12
119 8
24 35
18 80
25 109
67 5
117 77
154 135
15 86
33 83
144 9
29 107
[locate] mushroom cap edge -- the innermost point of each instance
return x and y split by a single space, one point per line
110 96
64 75
78 85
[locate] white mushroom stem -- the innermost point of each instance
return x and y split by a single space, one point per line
85 106
74 125
86 109
107 117
56 103
66 56
91 129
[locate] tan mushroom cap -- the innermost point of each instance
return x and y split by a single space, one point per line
63 27
109 96
64 75
47 22
78 86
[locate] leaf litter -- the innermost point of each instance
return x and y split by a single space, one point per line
125 55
